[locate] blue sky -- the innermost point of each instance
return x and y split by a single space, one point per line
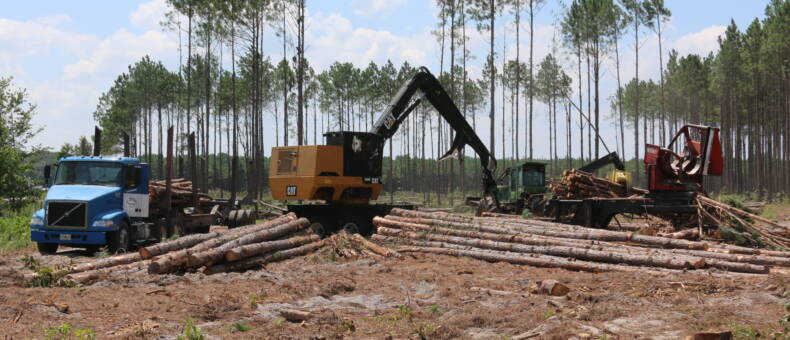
66 53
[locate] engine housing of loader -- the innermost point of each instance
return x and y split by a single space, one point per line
345 170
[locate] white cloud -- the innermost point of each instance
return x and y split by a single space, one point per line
368 7
702 42
65 72
54 20
333 38
41 36
149 14
114 53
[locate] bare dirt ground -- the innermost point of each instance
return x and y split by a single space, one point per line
420 296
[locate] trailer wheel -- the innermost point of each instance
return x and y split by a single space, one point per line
119 240
242 217
160 230
231 221
202 229
47 248
356 225
321 226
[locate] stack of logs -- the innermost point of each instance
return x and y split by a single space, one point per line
546 244
221 251
181 192
576 184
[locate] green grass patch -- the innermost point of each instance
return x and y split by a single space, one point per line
14 233
239 326
64 331
191 331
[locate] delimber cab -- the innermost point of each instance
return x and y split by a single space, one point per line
346 172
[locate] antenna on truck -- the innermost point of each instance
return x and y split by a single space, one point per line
96 141
126 148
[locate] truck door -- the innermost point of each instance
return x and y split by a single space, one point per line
135 199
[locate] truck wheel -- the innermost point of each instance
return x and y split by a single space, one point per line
47 248
91 250
119 240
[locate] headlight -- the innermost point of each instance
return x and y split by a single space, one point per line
103 223
36 221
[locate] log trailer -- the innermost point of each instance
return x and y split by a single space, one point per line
524 186
673 180
97 201
346 172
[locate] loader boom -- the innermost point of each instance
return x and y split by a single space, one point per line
433 91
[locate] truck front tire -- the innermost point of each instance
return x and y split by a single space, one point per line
119 241
47 248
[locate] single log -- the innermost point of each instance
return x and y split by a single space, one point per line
96 274
725 335
180 243
106 262
550 287
249 250
488 291
261 260
207 257
569 252
687 234
375 248
535 260
173 260
295 315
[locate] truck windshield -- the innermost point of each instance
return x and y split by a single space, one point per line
89 173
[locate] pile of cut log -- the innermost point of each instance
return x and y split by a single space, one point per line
221 251
577 184
181 190
547 244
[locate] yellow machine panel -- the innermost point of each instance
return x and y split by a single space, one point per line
315 172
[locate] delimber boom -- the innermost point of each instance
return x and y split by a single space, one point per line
346 172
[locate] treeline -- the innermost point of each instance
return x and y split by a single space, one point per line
744 88
226 91
16 154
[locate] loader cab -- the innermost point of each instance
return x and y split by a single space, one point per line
522 180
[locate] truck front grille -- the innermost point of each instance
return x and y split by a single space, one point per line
66 214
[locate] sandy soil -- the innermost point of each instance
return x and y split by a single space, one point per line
421 296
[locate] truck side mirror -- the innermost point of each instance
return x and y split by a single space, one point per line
47 172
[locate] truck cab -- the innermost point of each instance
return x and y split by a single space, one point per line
95 201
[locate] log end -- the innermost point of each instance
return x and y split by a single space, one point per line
232 256
145 253
155 268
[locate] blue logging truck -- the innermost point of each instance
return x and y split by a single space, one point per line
96 201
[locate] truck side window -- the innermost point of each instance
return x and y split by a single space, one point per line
132 177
